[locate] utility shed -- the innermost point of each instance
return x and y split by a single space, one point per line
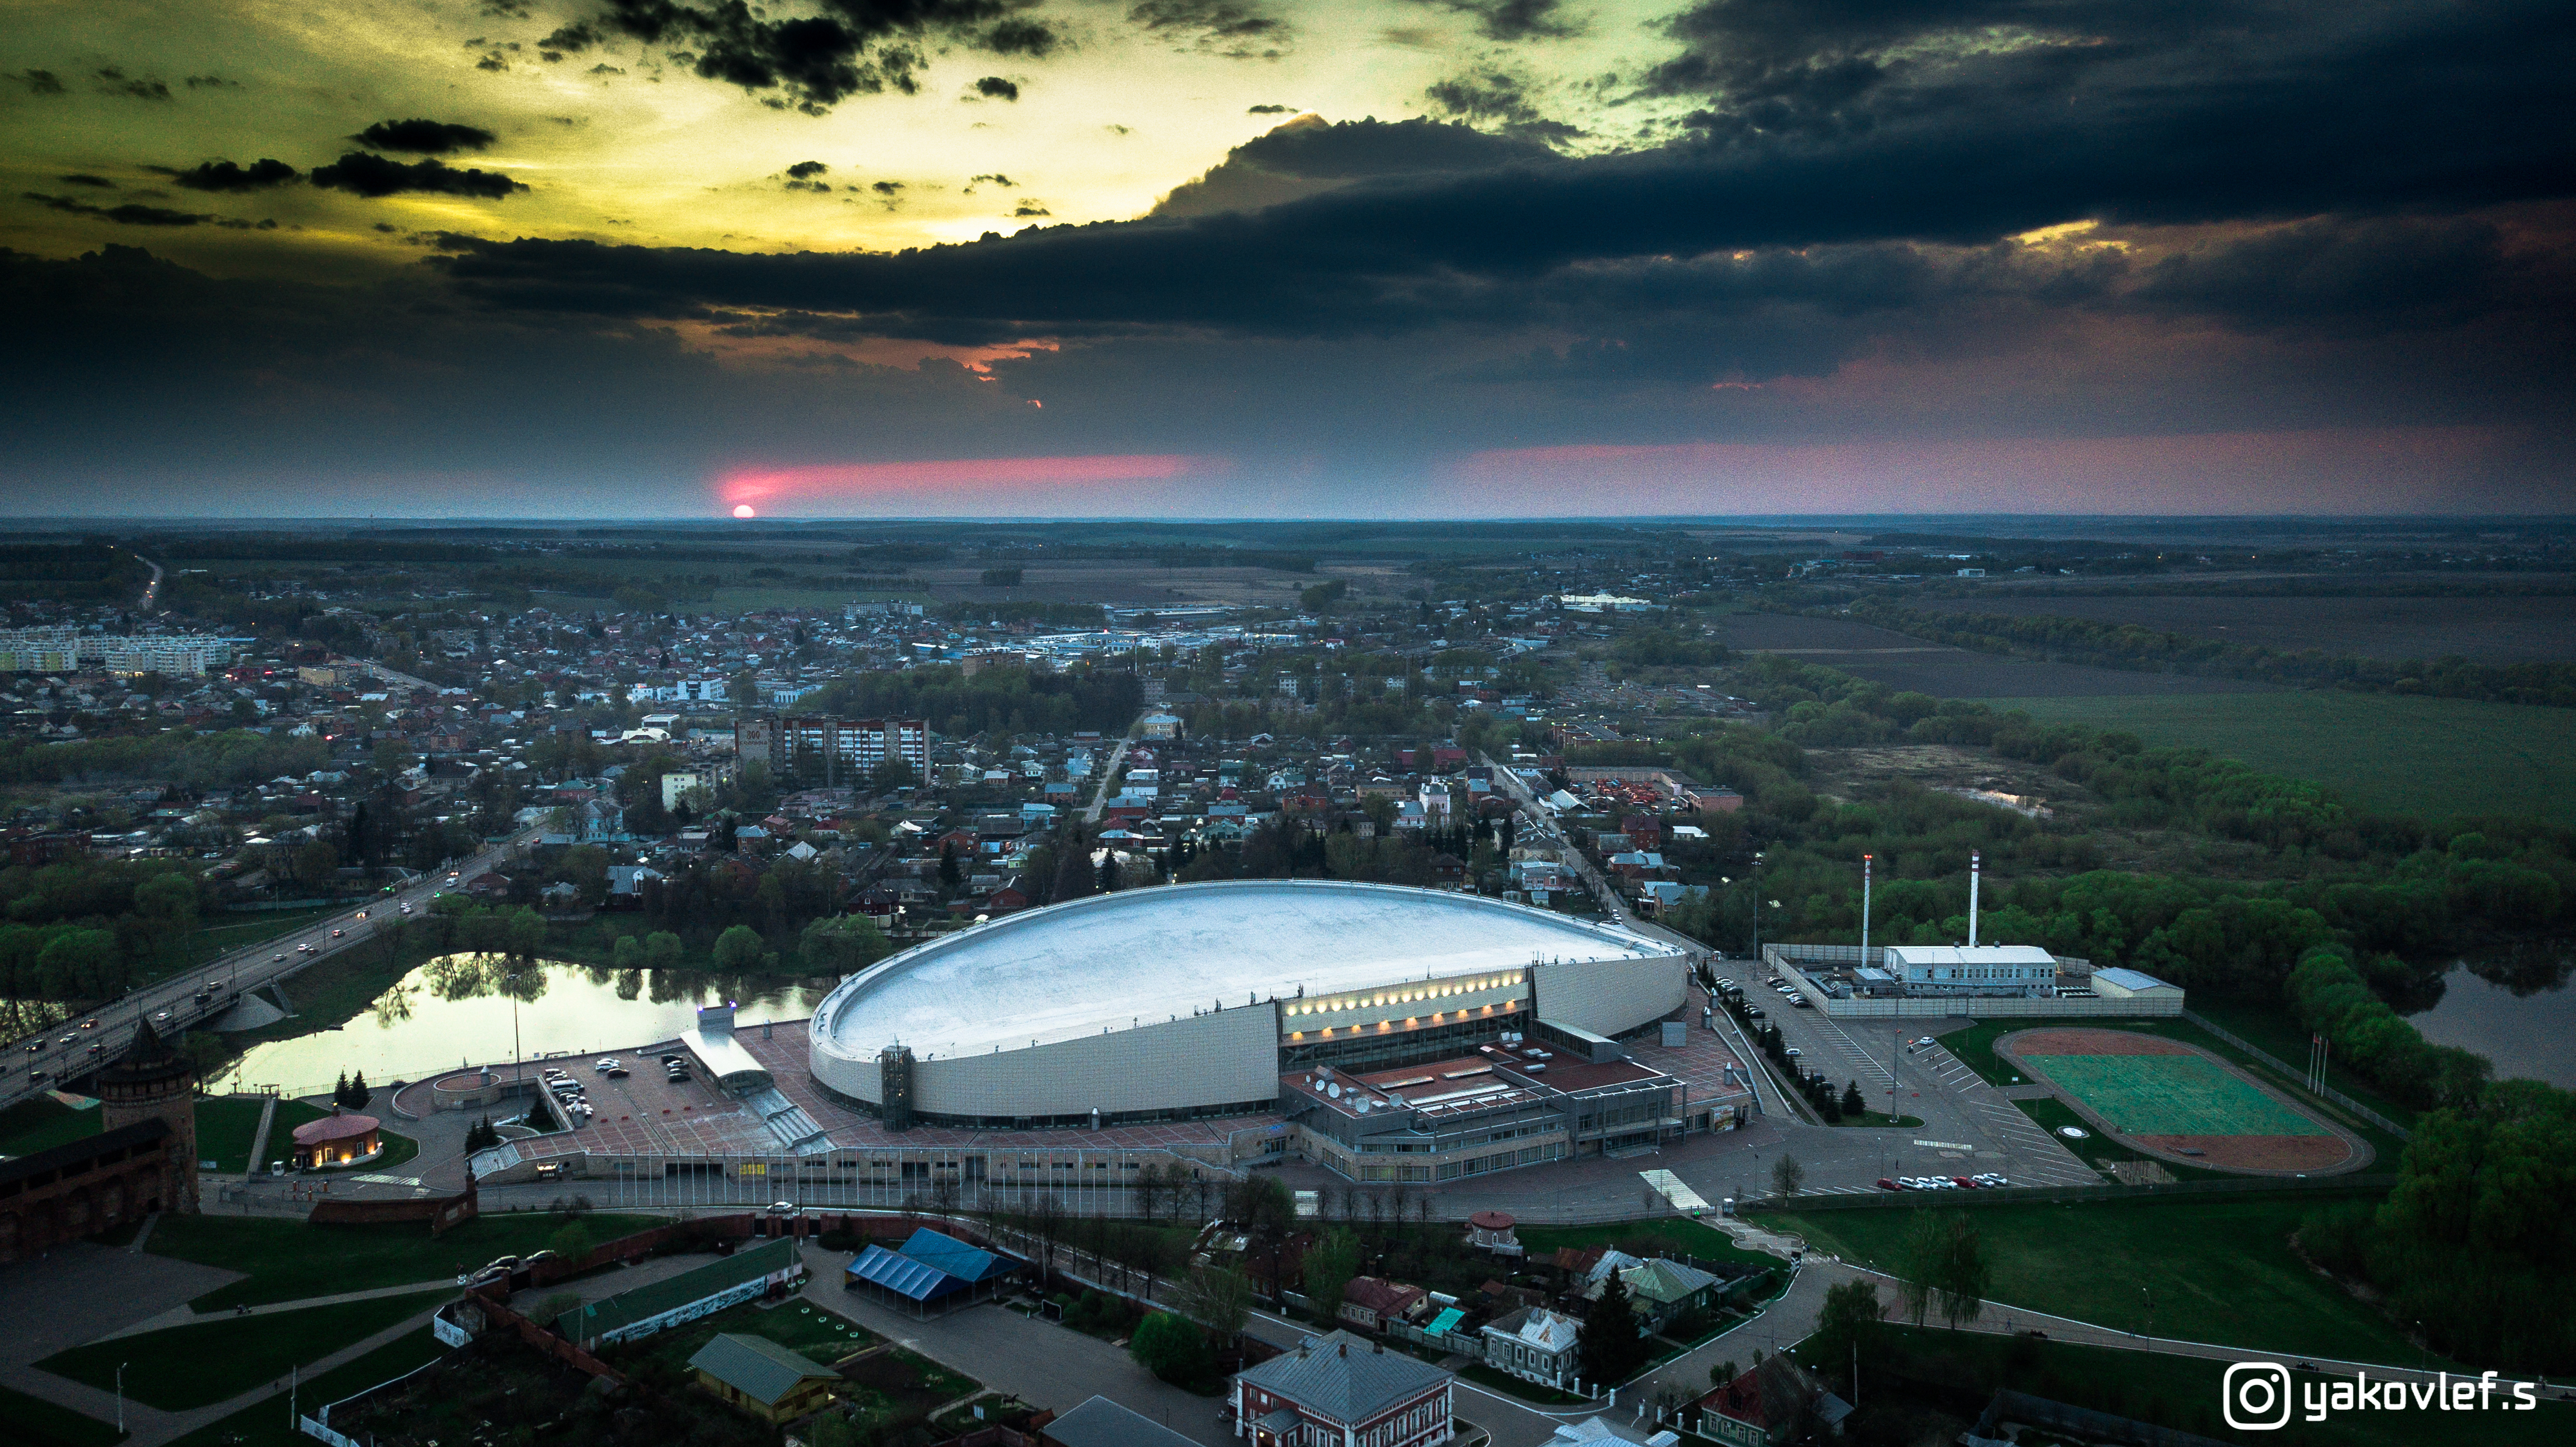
759 1376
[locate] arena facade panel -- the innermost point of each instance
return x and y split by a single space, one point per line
1048 1017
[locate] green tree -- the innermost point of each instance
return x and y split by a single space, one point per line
1942 1264
1608 1343
170 897
739 949
844 944
1172 1347
1217 1299
81 962
572 1243
1787 1175
1849 1320
627 953
663 950
1330 1265
1854 1104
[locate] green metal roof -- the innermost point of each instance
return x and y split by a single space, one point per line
614 1313
755 1366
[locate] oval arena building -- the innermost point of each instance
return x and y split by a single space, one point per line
1191 1000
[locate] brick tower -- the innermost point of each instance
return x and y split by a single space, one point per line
154 1082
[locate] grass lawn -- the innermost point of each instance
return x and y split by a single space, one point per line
225 1125
289 1260
41 1123
264 1424
36 1422
210 1361
2182 1392
2437 758
2218 1271
797 1323
1706 1243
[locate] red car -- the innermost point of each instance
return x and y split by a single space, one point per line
1885 1184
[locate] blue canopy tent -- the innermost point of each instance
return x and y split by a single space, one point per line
929 1267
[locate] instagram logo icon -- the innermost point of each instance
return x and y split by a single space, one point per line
2255 1396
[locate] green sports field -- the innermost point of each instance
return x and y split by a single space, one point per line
2171 1095
2437 758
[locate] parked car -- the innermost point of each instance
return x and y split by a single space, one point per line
1752 1012
1885 1184
1793 1052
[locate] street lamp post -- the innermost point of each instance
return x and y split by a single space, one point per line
120 1396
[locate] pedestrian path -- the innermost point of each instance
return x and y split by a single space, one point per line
190 1316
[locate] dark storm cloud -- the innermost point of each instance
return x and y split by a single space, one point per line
211 82
362 174
427 138
113 81
994 87
2370 275
1035 39
852 47
1271 110
226 176
2465 109
83 178
42 82
1514 20
1236 29
136 214
1498 98
807 170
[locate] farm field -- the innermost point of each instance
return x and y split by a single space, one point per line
2486 630
2219 1271
2438 758
1905 662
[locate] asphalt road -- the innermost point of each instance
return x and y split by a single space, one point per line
87 1041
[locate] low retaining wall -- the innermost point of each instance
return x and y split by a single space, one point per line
441 1212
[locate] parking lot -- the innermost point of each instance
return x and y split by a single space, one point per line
646 1113
1968 1128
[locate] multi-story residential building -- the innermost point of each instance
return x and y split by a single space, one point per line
831 749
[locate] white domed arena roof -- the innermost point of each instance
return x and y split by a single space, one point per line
1141 956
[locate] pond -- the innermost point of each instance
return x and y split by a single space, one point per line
457 1009
2514 1008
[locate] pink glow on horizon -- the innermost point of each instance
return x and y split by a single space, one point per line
968 481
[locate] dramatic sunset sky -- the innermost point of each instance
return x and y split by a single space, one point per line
631 258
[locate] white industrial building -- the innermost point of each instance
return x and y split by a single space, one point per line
1046 1018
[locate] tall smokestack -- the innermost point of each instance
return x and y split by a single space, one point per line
1864 909
1972 899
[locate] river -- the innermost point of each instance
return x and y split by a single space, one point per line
2515 1008
458 1009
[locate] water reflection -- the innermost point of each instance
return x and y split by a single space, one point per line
470 1007
2511 1005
